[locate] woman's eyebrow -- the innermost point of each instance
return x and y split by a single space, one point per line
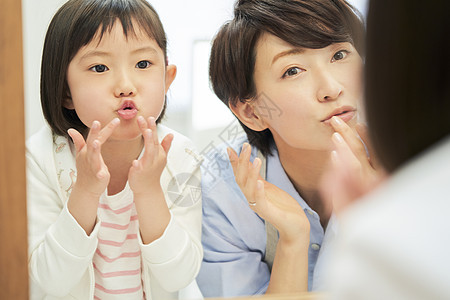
292 51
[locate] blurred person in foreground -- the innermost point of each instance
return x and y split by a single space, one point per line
394 243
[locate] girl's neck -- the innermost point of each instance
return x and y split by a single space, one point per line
118 157
305 169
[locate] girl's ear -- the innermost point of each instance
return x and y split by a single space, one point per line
246 113
171 73
68 103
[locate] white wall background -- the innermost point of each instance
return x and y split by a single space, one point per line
189 25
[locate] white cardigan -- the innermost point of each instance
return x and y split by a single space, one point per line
60 252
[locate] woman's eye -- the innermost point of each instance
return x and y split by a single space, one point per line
292 72
143 64
99 68
340 55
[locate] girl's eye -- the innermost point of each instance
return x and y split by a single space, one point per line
292 72
143 64
99 68
340 55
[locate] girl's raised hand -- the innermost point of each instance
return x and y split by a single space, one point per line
145 173
92 173
354 170
267 200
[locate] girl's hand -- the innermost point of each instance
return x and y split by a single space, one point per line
145 173
267 200
92 173
354 171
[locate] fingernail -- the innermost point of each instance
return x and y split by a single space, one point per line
338 138
256 163
336 120
334 156
115 121
245 147
259 185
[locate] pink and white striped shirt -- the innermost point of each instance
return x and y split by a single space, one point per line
117 260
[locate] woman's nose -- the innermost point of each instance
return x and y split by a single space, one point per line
329 88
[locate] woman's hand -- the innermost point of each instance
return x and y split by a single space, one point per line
290 266
267 200
354 170
145 173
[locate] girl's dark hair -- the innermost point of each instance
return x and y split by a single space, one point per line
74 25
303 23
407 77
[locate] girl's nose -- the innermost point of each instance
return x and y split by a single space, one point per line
124 86
126 93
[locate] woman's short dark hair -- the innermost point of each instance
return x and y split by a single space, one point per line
310 24
407 77
74 25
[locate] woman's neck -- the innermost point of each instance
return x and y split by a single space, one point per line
305 169
118 157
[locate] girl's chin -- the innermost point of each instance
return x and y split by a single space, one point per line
126 135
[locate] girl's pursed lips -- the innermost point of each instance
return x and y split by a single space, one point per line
127 110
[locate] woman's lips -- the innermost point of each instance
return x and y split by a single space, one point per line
345 116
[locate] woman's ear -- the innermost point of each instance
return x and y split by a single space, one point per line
246 113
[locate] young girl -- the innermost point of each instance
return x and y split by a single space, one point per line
112 211
290 71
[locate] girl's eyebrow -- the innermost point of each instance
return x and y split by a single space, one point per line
145 49
292 51
96 53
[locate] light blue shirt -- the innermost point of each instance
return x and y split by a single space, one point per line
234 237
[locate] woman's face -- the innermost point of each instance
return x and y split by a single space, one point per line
299 89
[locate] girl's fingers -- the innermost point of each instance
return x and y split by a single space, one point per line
106 132
93 132
93 154
77 138
152 126
351 139
142 124
167 142
149 146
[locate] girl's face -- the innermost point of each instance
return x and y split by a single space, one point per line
300 89
119 77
